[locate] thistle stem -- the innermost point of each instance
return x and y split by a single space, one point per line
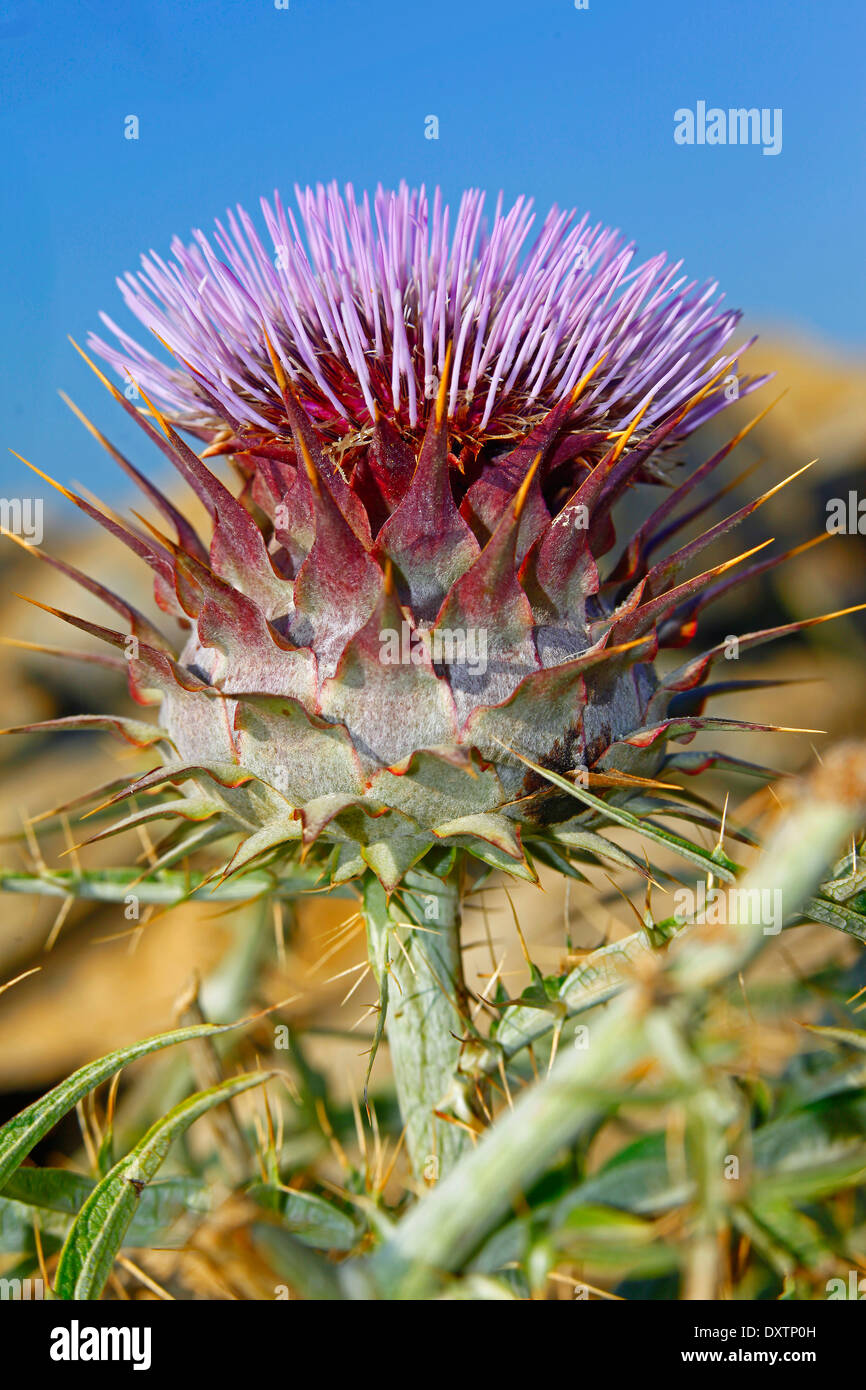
443 1229
166 888
414 948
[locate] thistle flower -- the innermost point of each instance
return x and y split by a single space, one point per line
412 640
411 614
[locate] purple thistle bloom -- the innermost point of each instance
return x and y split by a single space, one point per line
418 605
361 301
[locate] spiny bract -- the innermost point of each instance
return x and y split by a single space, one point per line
404 617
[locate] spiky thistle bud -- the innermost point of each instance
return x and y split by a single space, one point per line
413 610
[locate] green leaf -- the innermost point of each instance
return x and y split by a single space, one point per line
851 1037
310 1218
838 915
390 859
794 1232
636 1180
19 1135
97 1233
305 1270
812 1152
478 1288
595 1222
55 1189
498 859
58 1190
602 974
440 860
582 1225
606 1237
719 863
16 1229
816 1150
544 851
162 1206
589 842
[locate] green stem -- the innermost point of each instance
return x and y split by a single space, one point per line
167 887
605 973
414 948
443 1229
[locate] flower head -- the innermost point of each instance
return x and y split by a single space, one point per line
408 619
362 300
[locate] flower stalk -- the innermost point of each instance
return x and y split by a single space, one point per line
414 949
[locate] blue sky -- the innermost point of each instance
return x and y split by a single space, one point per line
235 97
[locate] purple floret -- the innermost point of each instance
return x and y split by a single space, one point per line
361 299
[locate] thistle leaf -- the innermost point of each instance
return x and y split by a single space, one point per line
98 1231
19 1135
